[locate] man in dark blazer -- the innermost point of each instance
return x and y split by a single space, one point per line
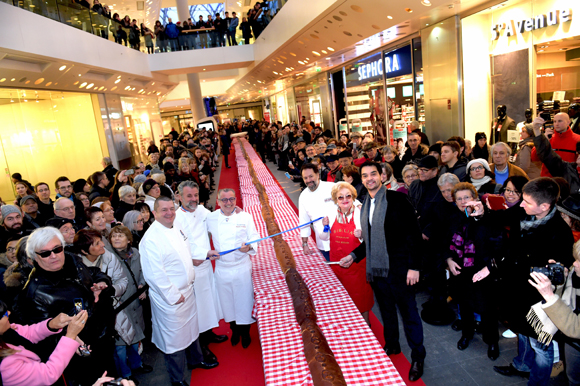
391 239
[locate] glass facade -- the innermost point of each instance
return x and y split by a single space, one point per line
48 134
522 55
143 123
369 107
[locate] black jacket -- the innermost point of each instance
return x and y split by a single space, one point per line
397 166
523 250
424 195
97 191
402 235
409 157
110 171
459 169
555 164
122 210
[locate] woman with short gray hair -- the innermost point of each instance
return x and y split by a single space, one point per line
133 220
127 199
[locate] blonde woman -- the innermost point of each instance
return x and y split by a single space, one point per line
345 235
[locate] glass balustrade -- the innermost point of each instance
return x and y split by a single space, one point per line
81 17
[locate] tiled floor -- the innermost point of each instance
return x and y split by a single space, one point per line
445 365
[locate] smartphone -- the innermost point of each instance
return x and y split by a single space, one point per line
288 175
548 124
354 146
79 305
496 202
129 172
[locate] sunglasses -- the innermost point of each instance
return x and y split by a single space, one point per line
45 254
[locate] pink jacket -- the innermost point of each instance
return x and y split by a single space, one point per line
24 367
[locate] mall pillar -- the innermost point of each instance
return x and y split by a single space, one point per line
182 10
195 98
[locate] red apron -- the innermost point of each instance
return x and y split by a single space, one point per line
354 278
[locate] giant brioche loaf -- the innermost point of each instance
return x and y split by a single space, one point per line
321 361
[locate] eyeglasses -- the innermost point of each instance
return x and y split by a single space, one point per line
45 254
69 187
139 222
477 168
423 170
408 176
67 209
347 197
226 200
511 191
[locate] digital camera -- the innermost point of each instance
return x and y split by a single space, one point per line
554 272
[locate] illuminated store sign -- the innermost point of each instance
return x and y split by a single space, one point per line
396 63
514 27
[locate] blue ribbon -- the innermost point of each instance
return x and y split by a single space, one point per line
264 238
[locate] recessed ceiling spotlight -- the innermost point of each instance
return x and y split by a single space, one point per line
563 49
117 81
90 86
315 53
389 17
540 50
61 68
426 3
83 84
80 74
409 10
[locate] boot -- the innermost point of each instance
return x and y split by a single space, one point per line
245 332
235 333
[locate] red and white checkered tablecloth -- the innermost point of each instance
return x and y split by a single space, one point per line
360 356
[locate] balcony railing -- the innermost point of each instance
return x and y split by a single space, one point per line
83 18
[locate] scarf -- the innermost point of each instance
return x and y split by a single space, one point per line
534 223
480 182
540 321
377 255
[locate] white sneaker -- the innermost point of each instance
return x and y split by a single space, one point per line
508 334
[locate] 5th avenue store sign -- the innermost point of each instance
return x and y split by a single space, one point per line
514 27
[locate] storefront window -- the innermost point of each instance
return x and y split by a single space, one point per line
520 55
308 102
400 103
419 89
365 96
143 124
46 135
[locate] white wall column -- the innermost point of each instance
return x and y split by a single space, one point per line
195 98
182 10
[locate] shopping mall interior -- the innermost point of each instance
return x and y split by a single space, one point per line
72 91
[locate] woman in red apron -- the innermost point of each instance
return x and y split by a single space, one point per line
345 230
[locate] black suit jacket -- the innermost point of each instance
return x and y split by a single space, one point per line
401 233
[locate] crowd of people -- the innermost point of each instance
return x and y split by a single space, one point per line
125 256
476 214
187 35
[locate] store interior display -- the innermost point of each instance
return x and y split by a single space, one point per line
500 125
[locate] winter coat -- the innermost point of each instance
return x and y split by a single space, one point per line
513 170
15 277
25 367
524 159
564 144
408 157
424 195
556 165
122 209
129 323
47 294
97 191
459 169
525 249
171 31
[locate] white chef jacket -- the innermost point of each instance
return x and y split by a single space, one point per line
194 226
233 272
312 205
167 268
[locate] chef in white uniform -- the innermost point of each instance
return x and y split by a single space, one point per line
191 218
167 268
233 273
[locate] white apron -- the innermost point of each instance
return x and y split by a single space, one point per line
167 268
194 226
233 273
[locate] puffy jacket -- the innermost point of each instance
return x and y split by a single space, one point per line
97 191
171 31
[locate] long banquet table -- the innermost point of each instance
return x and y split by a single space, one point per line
360 356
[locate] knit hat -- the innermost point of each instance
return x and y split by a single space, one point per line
299 140
147 185
479 161
156 171
7 210
26 198
58 222
331 146
428 162
146 173
570 206
140 178
479 136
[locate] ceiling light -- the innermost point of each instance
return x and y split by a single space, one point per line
61 68
315 53
324 52
563 49
389 17
328 58
90 86
80 74
409 10
117 81
301 62
540 50
427 24
426 3
83 84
